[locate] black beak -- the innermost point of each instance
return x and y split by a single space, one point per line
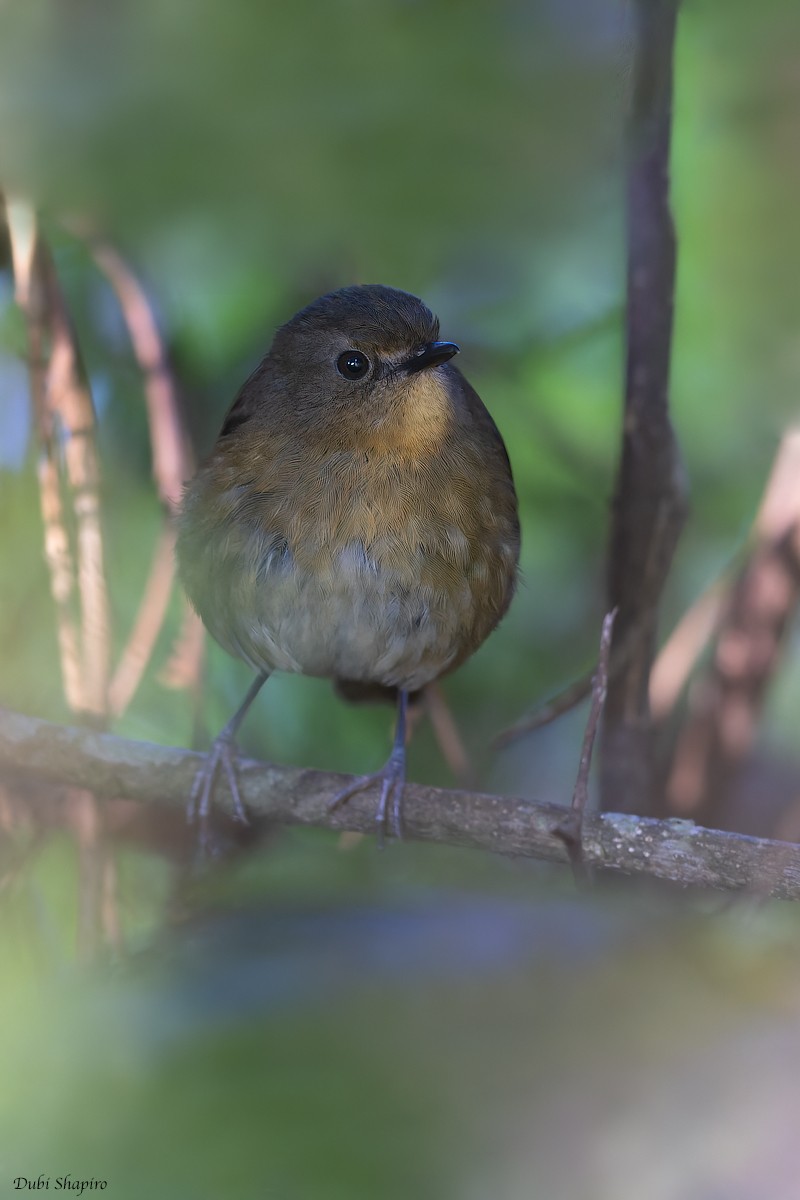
430 356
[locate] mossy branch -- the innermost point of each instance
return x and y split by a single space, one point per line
679 851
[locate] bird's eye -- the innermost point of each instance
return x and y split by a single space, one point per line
352 364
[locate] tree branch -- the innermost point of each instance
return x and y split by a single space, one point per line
726 702
173 464
678 851
650 502
31 297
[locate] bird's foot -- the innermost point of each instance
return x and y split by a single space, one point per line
222 757
392 778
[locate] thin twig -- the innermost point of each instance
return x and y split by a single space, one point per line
567 699
71 401
563 702
444 727
148 624
599 690
669 676
173 461
571 828
173 464
31 297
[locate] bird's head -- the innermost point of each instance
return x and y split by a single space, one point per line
368 359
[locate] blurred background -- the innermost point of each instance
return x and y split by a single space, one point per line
306 1019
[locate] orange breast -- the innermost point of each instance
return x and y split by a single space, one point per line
369 564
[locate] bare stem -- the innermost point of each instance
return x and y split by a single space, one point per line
173 465
571 828
31 297
649 504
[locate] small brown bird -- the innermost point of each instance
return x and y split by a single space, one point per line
357 517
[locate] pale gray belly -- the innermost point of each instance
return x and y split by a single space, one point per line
356 621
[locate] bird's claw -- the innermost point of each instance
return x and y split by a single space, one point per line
221 756
392 778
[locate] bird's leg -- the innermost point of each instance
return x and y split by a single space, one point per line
222 755
392 778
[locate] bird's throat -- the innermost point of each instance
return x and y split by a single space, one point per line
418 418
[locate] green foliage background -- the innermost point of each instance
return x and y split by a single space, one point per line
246 158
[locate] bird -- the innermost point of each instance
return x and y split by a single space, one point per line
356 519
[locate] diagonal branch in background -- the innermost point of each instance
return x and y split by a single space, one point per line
173 464
173 461
567 699
148 624
447 734
682 650
726 702
649 502
678 851
700 625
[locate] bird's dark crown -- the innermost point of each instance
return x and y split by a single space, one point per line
370 314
